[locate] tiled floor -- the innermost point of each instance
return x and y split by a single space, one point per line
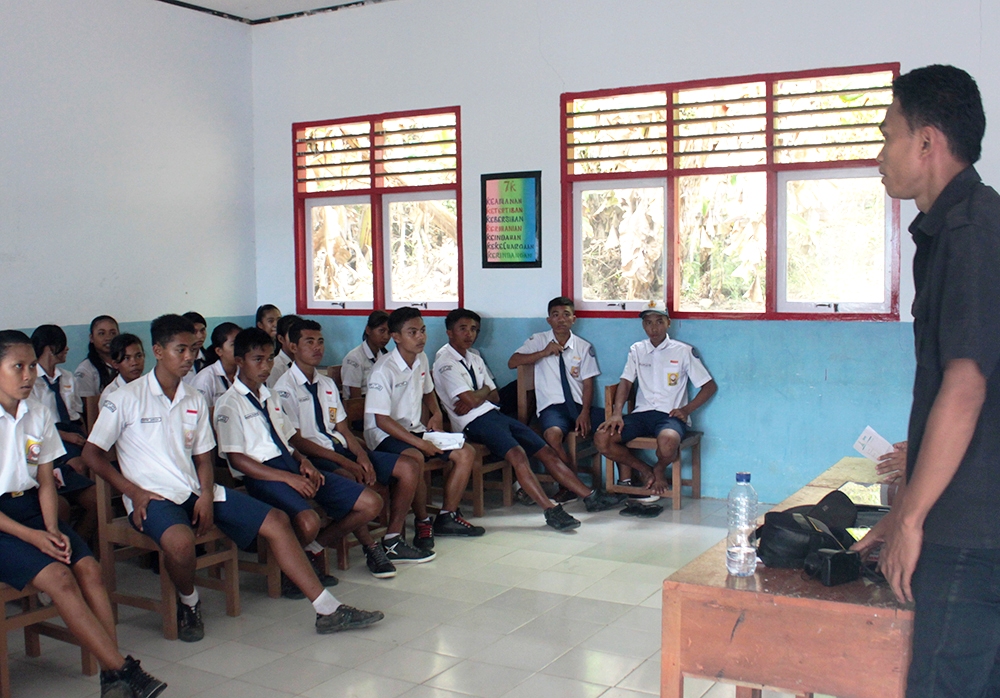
521 612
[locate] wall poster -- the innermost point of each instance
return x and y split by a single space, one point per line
512 219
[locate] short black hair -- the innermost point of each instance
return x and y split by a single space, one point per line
460 314
11 338
295 331
196 318
376 318
51 336
285 323
560 302
252 338
401 316
120 343
166 327
264 310
948 99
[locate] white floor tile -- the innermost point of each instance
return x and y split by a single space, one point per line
359 684
478 679
231 659
454 641
554 687
521 653
593 666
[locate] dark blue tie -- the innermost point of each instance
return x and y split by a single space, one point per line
60 403
313 389
571 407
225 383
475 383
285 460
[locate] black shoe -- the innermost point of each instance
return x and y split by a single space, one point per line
318 562
423 536
114 686
378 563
399 553
290 590
452 524
599 500
565 496
142 684
559 519
190 627
522 497
346 618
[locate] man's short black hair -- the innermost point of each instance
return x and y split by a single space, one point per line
51 336
196 318
296 330
264 310
166 327
400 316
560 302
460 314
948 99
10 338
252 338
285 323
120 343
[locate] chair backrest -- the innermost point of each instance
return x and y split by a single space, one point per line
609 399
355 408
105 510
525 392
334 373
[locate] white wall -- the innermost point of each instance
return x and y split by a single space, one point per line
507 61
125 162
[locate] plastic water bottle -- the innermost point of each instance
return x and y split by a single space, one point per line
741 556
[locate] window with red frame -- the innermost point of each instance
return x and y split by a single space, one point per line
376 212
752 197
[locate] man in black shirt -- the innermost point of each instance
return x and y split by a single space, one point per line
942 538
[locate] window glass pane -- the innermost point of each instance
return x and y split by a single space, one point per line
622 243
417 150
624 133
331 158
341 252
835 240
720 126
722 242
423 252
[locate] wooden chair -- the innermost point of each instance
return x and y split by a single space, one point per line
691 441
334 373
266 565
576 448
119 541
33 618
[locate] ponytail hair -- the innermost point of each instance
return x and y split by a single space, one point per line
105 373
219 336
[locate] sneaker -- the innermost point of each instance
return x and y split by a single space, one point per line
346 618
378 563
423 536
522 497
559 519
565 496
452 524
142 684
190 627
289 589
399 553
600 500
114 686
318 562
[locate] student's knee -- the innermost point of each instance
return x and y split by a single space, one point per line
88 573
369 504
605 439
464 457
56 580
406 469
415 455
667 442
275 525
548 456
518 459
553 436
177 543
307 525
88 499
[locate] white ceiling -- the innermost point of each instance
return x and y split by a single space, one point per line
256 10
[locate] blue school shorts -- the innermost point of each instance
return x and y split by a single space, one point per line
558 416
75 482
391 444
383 463
650 423
20 562
239 517
337 495
500 433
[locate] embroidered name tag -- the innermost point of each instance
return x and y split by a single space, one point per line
251 415
150 420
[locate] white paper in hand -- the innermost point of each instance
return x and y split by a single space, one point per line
872 445
446 441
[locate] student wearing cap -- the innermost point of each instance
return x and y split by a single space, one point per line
663 367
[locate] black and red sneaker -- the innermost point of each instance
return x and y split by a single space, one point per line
423 537
452 524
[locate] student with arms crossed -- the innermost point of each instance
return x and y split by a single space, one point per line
400 389
34 546
359 361
164 441
95 372
663 368
321 432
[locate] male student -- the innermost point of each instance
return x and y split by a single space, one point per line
200 334
321 432
663 368
164 441
400 389
470 397
283 359
942 536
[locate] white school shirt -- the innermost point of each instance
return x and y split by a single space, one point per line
663 374
396 390
356 367
298 405
581 364
156 437
88 381
114 385
189 377
26 440
452 378
241 426
67 386
282 362
212 382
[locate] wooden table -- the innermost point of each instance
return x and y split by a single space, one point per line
779 630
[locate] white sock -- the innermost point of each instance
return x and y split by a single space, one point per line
427 520
326 603
191 599
314 548
443 513
391 536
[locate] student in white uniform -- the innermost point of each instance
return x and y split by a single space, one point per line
129 360
322 433
400 388
161 430
285 356
267 319
219 372
470 397
35 547
663 367
200 335
359 361
95 372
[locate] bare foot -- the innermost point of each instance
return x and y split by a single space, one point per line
660 485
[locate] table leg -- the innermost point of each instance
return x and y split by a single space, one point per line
747 692
671 679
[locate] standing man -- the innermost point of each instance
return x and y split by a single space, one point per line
942 538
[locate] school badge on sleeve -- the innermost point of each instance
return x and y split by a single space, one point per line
333 415
32 449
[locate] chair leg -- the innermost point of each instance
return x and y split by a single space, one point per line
273 575
508 486
696 471
595 470
88 663
108 575
675 481
168 604
232 580
478 505
4 665
343 554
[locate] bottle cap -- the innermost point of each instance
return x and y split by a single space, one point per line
742 477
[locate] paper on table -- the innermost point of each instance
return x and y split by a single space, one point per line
872 445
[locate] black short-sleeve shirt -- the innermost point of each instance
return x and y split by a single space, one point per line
956 315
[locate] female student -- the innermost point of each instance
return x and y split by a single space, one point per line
267 320
220 371
357 365
129 359
35 547
95 372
